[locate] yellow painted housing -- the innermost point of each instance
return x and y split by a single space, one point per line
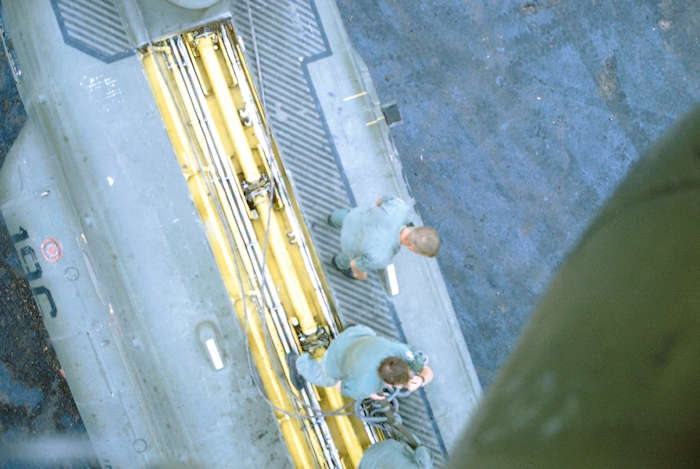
216 123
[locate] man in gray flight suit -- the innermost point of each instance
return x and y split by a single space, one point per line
371 236
361 364
392 454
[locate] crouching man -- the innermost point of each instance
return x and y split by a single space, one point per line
360 364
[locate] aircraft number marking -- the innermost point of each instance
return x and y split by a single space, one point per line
32 269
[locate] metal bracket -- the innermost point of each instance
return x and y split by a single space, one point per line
315 340
392 114
259 187
245 116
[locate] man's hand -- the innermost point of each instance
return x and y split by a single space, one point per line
359 275
377 397
421 379
415 382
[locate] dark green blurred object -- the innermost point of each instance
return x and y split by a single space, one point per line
607 374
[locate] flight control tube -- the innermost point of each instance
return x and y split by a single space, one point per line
201 88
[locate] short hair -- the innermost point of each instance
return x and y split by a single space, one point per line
425 240
394 370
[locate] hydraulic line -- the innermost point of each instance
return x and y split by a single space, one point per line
206 84
302 308
206 47
290 429
242 76
322 433
240 73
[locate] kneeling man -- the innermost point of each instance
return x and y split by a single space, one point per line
361 364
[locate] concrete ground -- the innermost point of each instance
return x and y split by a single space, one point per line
519 121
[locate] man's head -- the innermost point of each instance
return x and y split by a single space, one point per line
394 371
424 241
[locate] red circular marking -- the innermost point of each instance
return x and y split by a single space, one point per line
51 249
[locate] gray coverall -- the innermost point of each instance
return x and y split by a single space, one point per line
392 454
353 358
370 235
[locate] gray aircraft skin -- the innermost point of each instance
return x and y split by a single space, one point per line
116 256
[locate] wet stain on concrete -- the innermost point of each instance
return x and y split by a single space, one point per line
608 83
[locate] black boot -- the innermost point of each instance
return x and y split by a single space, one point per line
296 379
347 272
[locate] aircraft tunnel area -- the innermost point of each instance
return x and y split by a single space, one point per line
206 97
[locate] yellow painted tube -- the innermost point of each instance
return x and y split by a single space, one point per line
347 433
291 429
279 243
275 156
228 108
228 215
301 448
189 110
278 240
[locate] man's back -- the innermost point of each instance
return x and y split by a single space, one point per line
392 454
371 234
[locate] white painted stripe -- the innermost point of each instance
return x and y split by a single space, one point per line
393 281
374 121
214 352
355 96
